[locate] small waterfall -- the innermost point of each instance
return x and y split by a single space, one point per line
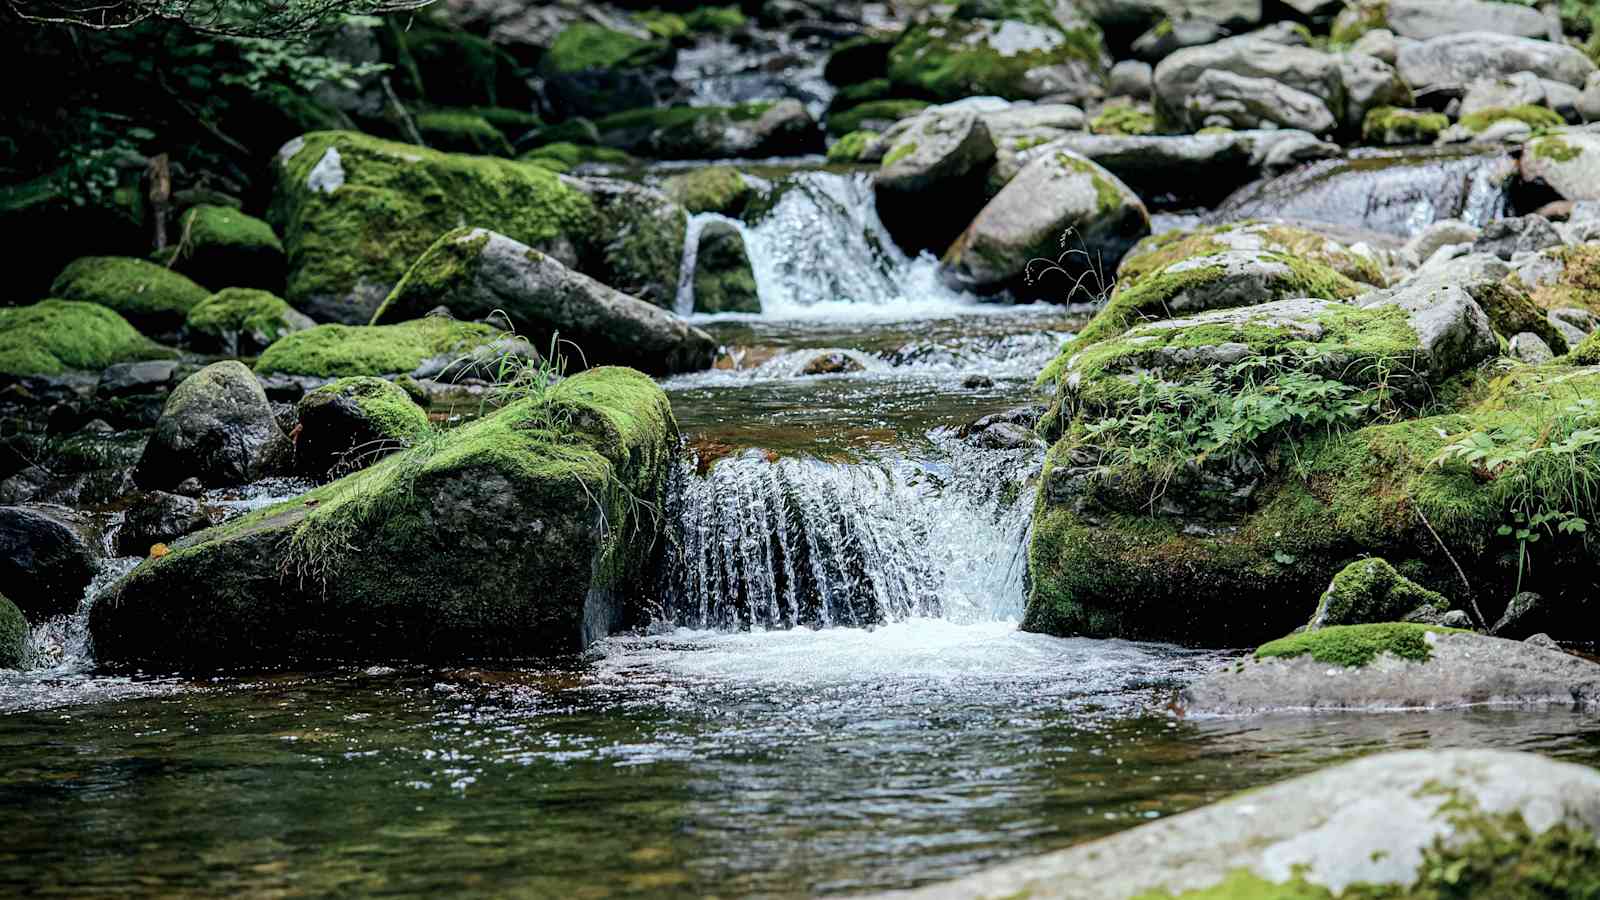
1393 192
821 245
61 645
804 542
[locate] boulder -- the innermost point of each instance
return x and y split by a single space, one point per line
13 635
1248 77
433 347
351 423
221 247
1576 289
475 273
550 498
1567 163
158 517
48 555
952 59
1132 78
1355 260
242 322
948 154
1450 62
1219 98
716 189
723 278
1588 102
61 337
150 297
1369 83
1445 232
1517 89
1370 590
1379 42
356 212
1058 205
1424 19
1395 665
639 238
1169 36
217 426
1506 238
1526 615
1464 823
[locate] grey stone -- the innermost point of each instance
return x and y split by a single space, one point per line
126 379
217 426
1588 105
1424 19
1379 42
1526 614
1567 163
1440 234
1463 669
1222 98
1369 83
948 154
1581 321
1517 89
1132 78
1543 640
1507 237
158 518
1449 63
1268 70
1172 35
1365 822
1453 332
723 278
1530 348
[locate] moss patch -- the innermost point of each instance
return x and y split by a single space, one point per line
851 147
1155 254
718 189
151 297
585 46
898 152
1578 285
332 351
53 337
233 312
1370 590
955 59
13 635
1122 118
1390 125
1353 646
454 131
569 156
1554 148
1535 117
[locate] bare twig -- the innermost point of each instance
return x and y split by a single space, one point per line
1471 595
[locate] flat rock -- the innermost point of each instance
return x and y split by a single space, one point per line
1453 61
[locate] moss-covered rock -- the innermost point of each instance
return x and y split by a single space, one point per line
152 298
454 131
1390 126
1370 590
356 211
242 322
351 423
217 426
723 279
1536 117
450 68
853 147
1578 284
1512 311
873 115
1160 251
716 189
637 245
749 130
521 534
564 156
1353 646
430 347
1123 118
13 635
953 59
55 337
583 46
221 247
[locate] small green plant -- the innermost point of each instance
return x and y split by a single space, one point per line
1546 475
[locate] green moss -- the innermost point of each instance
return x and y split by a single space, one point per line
1536 117
392 413
1389 125
715 19
151 297
718 189
349 246
1512 310
206 227
1357 19
1554 148
952 59
331 351
855 94
13 635
1123 118
664 25
1370 590
584 46
850 148
53 337
1353 646
513 123
852 119
723 279
1108 199
898 152
461 132
570 156
234 311
1578 285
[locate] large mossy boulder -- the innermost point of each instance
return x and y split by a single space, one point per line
152 298
1414 824
221 247
350 423
59 337
1212 471
355 212
476 273
1156 253
242 321
952 59
1370 590
638 240
521 534
436 347
1390 665
715 189
13 635
48 555
217 426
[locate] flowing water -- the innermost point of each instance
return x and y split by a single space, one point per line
833 698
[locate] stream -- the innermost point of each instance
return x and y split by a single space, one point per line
833 697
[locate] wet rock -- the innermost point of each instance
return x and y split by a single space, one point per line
1524 234
23 486
1132 78
1530 348
474 272
352 423
1566 163
982 57
639 239
218 427
723 278
1354 259
1058 194
541 519
129 379
48 555
947 154
832 363
754 130
1370 590
1246 82
1440 234
161 518
977 381
1424 19
1395 665
1526 614
13 635
1374 822
1005 436
242 322
1450 62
